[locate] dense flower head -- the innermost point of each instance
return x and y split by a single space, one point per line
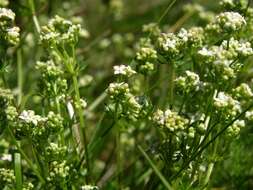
225 103
6 15
30 124
190 81
243 91
238 48
193 37
169 43
6 176
59 32
146 54
227 22
170 120
120 94
117 89
29 117
235 128
58 171
55 152
9 33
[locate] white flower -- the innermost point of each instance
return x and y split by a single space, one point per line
123 70
28 116
230 21
89 187
226 103
6 157
205 52
249 115
7 13
183 35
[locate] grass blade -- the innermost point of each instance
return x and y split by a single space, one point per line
156 170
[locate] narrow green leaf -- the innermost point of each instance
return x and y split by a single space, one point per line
156 170
18 172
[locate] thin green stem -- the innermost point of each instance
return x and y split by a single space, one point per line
166 11
119 162
156 170
20 75
81 119
34 17
171 84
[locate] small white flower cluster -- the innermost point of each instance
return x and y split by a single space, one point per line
226 104
11 113
83 104
249 115
227 22
54 151
188 82
243 91
6 14
118 90
49 68
124 70
27 123
120 94
146 54
235 128
220 59
29 117
238 48
60 31
58 170
193 37
206 53
6 176
89 187
170 120
169 43
9 32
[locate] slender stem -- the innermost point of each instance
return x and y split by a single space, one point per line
20 75
171 84
208 174
166 11
34 17
29 162
58 106
81 119
156 170
119 157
